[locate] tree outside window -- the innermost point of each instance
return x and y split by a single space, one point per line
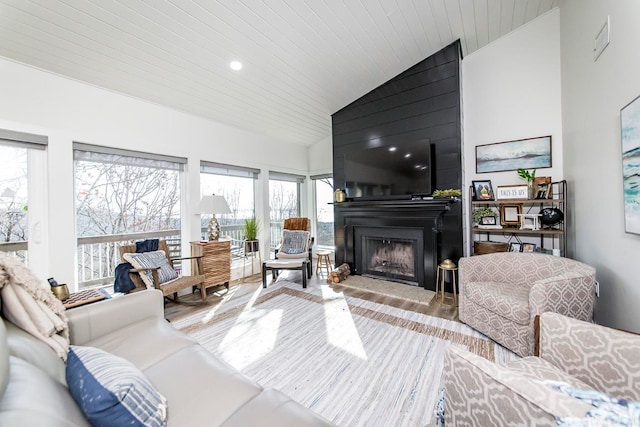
14 196
117 195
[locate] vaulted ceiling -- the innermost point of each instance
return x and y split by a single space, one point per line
302 59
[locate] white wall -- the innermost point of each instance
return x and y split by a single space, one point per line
511 90
321 157
592 95
66 110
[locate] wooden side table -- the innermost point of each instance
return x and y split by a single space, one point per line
215 261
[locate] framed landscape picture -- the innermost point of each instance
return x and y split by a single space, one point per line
531 153
630 128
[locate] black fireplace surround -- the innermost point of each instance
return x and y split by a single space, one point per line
419 222
394 253
422 103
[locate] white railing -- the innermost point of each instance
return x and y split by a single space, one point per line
16 249
98 256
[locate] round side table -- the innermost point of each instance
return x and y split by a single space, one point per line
443 267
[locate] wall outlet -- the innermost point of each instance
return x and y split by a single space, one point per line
597 289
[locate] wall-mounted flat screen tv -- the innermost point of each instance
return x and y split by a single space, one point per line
394 171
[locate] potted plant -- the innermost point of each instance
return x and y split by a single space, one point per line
529 177
251 228
480 213
449 192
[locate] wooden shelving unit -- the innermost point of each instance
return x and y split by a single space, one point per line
555 238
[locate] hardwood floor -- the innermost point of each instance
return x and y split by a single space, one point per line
191 304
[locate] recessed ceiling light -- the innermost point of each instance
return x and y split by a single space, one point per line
406 156
236 65
392 148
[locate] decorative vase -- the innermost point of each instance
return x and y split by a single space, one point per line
530 190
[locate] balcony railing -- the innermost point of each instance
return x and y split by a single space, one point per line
16 249
99 255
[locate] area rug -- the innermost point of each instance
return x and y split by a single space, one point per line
355 362
392 289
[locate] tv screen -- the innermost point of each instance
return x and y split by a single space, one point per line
392 171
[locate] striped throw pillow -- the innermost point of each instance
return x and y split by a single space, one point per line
152 259
110 391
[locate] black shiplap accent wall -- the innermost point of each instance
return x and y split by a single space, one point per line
424 102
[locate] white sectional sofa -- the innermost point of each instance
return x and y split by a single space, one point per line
200 389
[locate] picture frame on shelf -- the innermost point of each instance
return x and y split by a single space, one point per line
482 190
510 214
515 247
542 187
542 191
528 247
508 192
530 153
488 220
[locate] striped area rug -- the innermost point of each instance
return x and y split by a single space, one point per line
355 362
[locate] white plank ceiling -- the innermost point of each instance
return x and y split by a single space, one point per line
303 59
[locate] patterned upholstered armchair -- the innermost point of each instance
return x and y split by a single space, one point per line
501 294
582 355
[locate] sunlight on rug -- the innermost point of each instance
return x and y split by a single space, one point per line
355 362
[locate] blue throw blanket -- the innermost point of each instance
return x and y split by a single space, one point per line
122 282
608 411
148 245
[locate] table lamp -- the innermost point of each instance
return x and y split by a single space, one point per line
213 205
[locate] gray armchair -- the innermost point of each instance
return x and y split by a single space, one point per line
502 293
585 356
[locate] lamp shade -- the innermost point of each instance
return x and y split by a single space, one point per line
213 205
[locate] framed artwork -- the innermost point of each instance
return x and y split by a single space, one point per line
515 247
528 247
506 192
531 153
630 128
510 214
542 187
482 190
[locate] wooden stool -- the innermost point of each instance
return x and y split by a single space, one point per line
324 261
443 267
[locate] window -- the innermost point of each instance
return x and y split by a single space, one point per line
324 210
122 196
17 151
237 185
284 201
